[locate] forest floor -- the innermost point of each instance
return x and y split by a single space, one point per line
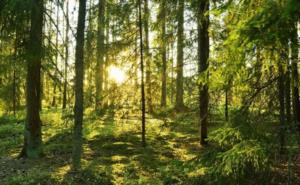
112 150
112 154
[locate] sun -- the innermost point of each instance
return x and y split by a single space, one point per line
116 74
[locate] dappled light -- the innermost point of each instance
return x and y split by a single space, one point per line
149 92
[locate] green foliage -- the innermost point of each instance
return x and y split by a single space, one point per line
226 136
239 152
11 134
174 173
44 177
241 158
33 177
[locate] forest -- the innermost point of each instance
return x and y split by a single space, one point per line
149 92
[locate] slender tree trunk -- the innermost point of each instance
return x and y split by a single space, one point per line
66 58
281 98
142 75
203 54
172 74
288 95
295 76
100 54
56 56
14 89
179 68
147 56
163 54
107 57
136 55
79 74
32 136
89 58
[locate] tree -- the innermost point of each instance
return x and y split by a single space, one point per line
163 53
142 75
79 74
32 147
180 45
53 104
281 98
295 75
203 55
64 104
100 54
147 56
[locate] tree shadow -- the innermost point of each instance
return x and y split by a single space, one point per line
126 152
87 176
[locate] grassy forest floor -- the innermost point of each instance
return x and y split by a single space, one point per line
112 151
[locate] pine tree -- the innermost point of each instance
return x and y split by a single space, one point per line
33 128
79 74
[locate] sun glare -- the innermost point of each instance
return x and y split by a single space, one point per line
116 74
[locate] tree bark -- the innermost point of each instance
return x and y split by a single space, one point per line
143 101
295 76
288 94
179 68
172 74
163 54
56 56
14 88
281 98
100 54
147 57
66 58
32 136
107 57
79 75
203 54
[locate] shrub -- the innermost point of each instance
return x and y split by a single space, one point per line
240 152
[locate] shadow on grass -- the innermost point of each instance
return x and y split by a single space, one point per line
110 156
126 150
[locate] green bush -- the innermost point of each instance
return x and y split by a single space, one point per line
10 130
240 152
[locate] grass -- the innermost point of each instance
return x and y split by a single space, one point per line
113 152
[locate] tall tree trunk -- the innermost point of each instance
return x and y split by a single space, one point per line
79 74
295 75
100 54
288 94
66 58
56 55
107 57
142 75
14 88
163 54
179 68
14 91
172 74
147 56
32 136
203 54
89 58
281 98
